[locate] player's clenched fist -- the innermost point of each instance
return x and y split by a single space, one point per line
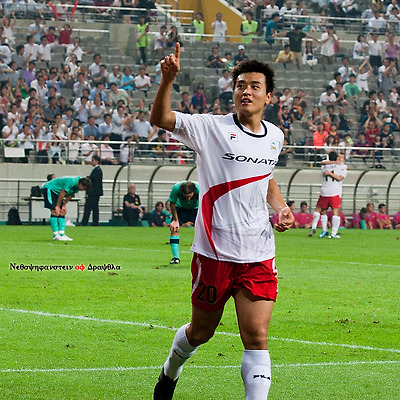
170 65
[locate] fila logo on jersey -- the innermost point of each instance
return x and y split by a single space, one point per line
233 137
243 158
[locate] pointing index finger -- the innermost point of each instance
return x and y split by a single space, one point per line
177 50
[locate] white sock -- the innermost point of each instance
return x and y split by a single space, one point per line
180 352
335 224
324 222
256 374
315 219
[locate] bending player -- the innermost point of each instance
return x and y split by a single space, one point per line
57 193
234 248
333 173
184 200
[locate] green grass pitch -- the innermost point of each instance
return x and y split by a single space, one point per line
72 334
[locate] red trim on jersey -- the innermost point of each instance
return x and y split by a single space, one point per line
213 194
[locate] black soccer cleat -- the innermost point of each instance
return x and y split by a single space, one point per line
165 387
175 260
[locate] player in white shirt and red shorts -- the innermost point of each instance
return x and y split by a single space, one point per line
234 249
333 173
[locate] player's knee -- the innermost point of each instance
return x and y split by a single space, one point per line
198 335
255 338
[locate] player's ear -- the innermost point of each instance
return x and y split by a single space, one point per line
268 98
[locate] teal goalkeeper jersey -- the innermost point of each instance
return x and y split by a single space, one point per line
178 199
68 183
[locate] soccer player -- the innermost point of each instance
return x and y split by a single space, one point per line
234 249
331 196
57 193
184 200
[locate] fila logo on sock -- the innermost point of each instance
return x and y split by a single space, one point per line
261 377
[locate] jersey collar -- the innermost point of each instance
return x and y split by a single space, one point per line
247 131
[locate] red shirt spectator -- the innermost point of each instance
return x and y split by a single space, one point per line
357 219
383 219
320 135
303 219
65 35
343 220
396 220
371 216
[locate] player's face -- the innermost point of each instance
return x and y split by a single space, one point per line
188 196
250 94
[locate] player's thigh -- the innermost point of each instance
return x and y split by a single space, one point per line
254 315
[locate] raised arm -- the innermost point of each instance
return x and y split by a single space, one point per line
162 114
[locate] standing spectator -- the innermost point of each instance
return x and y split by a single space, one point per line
159 42
296 37
19 56
329 42
360 49
249 28
157 217
198 24
391 48
241 55
62 10
270 29
93 195
132 206
377 24
220 28
65 35
31 49
386 74
76 49
45 49
8 26
363 75
375 49
37 29
320 135
142 29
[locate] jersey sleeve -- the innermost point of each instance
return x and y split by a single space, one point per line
192 129
173 196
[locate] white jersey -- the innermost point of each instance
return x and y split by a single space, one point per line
331 187
234 168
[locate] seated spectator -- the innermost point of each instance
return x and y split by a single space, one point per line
142 81
287 121
99 89
73 147
173 38
115 95
157 217
346 70
127 80
286 99
328 97
160 42
351 88
9 133
75 49
132 209
383 219
362 142
82 109
214 60
381 103
62 10
371 216
89 149
107 152
359 220
240 56
344 223
157 146
97 110
308 54
28 73
285 56
185 106
303 219
377 24
114 77
19 56
372 128
199 99
51 110
396 220
225 87
106 127
142 128
297 111
337 78
80 85
94 67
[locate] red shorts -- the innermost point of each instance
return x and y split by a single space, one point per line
326 202
213 281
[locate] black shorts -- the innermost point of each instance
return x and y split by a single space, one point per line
186 215
50 199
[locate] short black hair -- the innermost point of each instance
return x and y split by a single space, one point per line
333 156
255 66
303 203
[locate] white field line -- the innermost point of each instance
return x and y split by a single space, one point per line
121 369
147 325
305 260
